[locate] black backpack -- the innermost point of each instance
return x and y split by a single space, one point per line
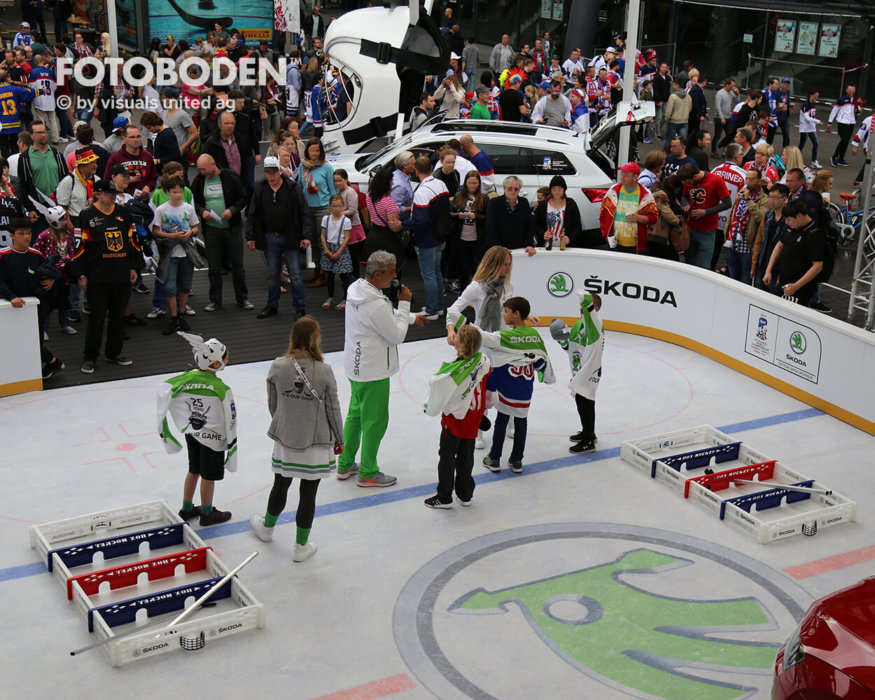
832 234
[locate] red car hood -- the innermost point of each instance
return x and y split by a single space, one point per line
840 630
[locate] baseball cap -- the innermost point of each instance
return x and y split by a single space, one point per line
119 123
105 185
785 80
649 54
170 92
454 55
469 95
611 49
272 162
543 85
25 25
119 169
631 168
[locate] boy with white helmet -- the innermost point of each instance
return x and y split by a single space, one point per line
202 408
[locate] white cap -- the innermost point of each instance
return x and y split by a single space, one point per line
454 55
271 162
55 215
25 25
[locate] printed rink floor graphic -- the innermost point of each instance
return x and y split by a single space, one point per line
580 577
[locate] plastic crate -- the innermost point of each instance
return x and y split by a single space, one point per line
644 452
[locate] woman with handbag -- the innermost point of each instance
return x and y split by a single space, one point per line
387 232
307 430
316 178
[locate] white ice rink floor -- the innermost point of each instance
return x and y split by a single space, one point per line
580 578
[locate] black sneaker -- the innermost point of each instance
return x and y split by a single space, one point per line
435 502
74 315
186 515
215 517
580 437
267 311
300 313
172 325
183 324
134 320
141 288
820 306
582 447
120 360
52 368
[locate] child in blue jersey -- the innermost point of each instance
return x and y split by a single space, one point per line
12 97
518 356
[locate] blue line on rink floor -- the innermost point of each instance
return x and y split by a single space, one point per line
393 495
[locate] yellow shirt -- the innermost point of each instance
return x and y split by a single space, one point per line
627 231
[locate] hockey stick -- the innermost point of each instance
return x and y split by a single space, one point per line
788 487
202 22
188 611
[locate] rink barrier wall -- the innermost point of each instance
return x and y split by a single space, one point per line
823 362
20 366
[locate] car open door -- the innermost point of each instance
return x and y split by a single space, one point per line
604 140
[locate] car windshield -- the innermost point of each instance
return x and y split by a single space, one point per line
367 161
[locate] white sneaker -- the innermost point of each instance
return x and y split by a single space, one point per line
69 330
189 311
511 431
480 443
816 165
155 312
260 530
45 336
304 551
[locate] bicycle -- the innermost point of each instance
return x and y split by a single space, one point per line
849 221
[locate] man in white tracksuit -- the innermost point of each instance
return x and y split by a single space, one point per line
372 335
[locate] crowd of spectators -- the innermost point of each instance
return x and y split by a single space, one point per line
193 148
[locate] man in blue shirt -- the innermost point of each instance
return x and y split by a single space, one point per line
12 97
771 94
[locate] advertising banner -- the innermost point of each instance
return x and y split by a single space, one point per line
816 359
785 35
829 40
187 19
288 16
806 41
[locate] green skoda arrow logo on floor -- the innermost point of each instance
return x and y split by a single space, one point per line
595 620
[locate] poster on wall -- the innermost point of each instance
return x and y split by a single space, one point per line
557 9
187 19
288 16
807 38
829 40
546 9
785 35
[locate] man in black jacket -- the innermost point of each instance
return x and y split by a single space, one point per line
509 220
219 196
106 263
278 223
662 84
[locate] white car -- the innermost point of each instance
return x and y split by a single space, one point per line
534 153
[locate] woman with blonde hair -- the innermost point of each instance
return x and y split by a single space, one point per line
452 94
762 158
486 294
822 184
792 158
307 430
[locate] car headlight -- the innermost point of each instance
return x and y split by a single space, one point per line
794 652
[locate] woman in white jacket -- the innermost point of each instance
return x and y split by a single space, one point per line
307 430
452 94
486 294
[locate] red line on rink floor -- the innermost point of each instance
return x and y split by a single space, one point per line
374 690
838 561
